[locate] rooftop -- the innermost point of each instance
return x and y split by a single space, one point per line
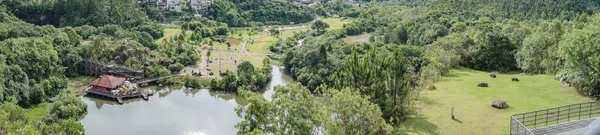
107 81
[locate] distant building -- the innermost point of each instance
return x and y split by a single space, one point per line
146 1
199 4
169 5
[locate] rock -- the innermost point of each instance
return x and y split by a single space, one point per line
500 104
431 87
482 84
493 75
515 79
160 85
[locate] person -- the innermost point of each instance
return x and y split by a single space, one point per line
452 112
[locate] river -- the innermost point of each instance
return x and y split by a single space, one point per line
173 110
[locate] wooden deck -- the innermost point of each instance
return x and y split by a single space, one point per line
119 96
567 128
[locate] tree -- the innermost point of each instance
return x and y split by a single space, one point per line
274 32
245 68
294 110
319 26
535 57
66 107
349 113
580 51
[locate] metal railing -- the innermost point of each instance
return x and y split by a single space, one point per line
521 123
517 128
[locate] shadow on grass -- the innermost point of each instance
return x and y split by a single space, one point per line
457 120
417 124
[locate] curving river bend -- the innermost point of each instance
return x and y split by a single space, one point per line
171 110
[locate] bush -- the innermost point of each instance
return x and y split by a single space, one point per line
176 67
195 82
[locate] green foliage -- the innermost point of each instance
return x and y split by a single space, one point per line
537 55
65 107
247 76
255 12
175 68
16 120
195 82
294 110
579 51
319 26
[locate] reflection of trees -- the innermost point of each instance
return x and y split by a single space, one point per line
100 101
228 96
191 92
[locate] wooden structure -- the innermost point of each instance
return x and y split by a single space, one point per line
114 88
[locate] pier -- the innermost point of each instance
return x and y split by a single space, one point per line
116 88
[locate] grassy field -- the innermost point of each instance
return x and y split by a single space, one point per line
243 34
335 23
169 32
263 41
473 104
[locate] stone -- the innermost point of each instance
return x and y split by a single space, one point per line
482 84
431 87
493 75
515 79
500 104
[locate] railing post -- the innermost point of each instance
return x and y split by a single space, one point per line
523 119
591 104
547 117
569 114
558 115
579 117
535 120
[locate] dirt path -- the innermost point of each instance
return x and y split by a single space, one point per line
244 46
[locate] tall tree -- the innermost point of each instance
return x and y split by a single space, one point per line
319 26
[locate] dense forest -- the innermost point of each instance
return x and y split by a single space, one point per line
237 13
344 88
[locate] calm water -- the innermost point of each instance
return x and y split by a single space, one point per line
171 111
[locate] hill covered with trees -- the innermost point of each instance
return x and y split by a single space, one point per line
238 13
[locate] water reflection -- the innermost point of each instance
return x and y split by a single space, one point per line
278 78
172 110
180 111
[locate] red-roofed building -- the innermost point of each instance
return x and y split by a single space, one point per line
107 83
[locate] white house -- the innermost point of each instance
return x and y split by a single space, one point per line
199 4
169 5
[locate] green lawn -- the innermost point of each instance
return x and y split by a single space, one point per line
169 32
335 23
243 34
473 104
262 43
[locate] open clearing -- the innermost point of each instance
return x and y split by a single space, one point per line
169 32
473 104
335 23
263 41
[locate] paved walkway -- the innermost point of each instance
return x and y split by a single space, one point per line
567 128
